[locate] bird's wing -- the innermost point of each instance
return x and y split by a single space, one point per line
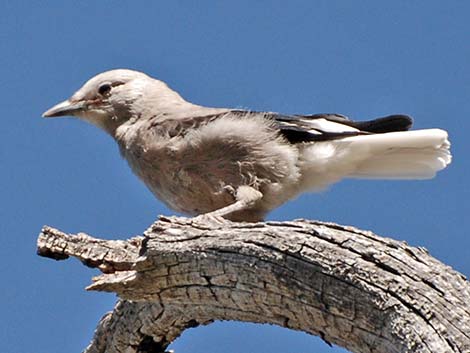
295 128
319 127
324 127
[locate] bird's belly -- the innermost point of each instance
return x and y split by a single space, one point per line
190 195
191 190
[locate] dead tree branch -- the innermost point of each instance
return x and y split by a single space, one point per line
348 286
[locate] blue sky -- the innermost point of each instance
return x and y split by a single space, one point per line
363 59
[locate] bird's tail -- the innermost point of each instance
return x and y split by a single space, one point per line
417 154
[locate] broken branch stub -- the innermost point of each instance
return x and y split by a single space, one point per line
348 286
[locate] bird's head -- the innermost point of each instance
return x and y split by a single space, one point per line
111 98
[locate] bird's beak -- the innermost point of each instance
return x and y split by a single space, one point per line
64 108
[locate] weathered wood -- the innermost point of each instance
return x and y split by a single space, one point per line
348 286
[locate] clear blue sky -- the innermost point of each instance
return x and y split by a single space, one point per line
360 58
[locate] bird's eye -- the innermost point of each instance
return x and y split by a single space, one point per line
104 89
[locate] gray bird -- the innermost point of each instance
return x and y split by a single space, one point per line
241 164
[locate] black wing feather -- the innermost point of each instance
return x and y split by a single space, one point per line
296 129
389 123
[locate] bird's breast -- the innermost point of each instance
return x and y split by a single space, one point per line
188 187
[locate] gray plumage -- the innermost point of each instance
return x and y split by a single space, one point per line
241 164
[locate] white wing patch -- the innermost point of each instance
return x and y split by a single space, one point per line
323 125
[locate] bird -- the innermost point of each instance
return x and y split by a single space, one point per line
238 165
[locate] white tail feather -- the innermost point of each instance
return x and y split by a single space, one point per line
415 154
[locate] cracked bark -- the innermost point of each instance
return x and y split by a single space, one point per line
350 287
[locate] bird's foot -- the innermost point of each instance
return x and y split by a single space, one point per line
210 219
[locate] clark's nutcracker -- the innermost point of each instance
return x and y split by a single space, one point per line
241 164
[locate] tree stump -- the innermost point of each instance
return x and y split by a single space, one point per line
350 287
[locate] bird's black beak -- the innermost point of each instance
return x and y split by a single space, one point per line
64 108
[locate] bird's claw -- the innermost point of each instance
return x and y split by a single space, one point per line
210 219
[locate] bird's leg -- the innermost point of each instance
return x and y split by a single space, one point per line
245 197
